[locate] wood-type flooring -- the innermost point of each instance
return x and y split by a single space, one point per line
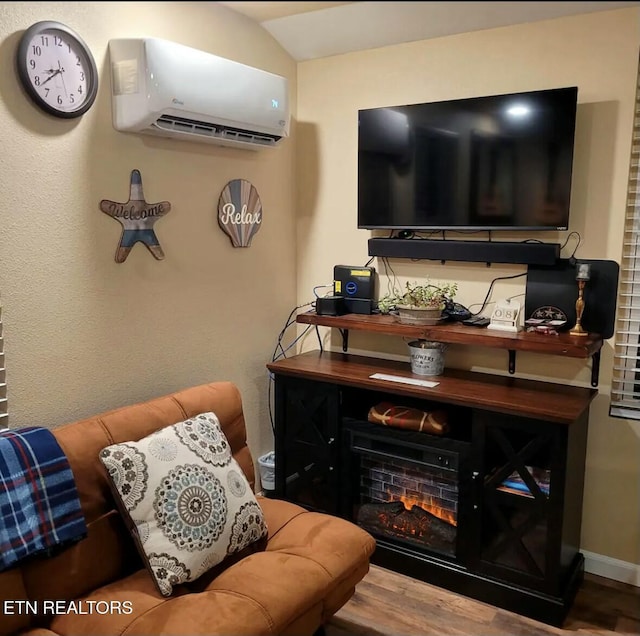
390 604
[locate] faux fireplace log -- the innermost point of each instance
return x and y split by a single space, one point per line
417 525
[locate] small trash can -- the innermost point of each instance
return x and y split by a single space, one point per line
267 466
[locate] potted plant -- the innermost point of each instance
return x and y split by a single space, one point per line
419 304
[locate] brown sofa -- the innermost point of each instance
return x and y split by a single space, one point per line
292 583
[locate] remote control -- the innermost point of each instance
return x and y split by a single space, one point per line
477 321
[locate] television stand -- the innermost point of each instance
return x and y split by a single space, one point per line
516 550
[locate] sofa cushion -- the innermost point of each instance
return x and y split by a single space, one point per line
306 573
188 503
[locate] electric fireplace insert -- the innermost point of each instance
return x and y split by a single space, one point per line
405 488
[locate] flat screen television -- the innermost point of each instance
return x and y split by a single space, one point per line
501 162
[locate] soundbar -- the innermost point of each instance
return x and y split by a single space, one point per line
469 251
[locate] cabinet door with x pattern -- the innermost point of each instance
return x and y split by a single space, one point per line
526 501
307 452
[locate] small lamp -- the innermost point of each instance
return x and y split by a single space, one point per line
583 274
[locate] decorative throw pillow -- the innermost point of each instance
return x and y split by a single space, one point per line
189 503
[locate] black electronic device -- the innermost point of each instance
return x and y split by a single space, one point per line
359 305
331 306
498 162
552 292
456 312
476 321
357 286
530 253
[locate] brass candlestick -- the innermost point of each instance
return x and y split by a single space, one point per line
582 276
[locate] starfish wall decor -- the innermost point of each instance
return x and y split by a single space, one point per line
137 218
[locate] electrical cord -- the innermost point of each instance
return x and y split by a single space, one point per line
315 293
292 344
283 351
493 282
572 258
392 281
287 324
419 234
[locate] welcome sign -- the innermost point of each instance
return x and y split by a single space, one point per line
137 218
240 212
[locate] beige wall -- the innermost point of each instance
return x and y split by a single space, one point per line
596 52
83 333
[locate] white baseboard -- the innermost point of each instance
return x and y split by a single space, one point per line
610 568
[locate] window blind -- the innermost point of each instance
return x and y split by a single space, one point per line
625 387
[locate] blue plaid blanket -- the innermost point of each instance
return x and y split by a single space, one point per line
39 505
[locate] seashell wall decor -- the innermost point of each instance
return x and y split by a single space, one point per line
240 212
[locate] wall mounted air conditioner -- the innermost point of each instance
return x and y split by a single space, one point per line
167 89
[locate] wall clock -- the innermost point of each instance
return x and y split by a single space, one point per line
57 69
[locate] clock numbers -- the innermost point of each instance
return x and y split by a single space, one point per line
57 63
505 316
57 69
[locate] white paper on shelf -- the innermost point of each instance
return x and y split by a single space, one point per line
399 378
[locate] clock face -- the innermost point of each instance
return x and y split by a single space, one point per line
57 69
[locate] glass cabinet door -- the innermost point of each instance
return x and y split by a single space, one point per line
518 484
306 446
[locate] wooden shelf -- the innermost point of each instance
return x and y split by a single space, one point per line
456 333
562 344
514 396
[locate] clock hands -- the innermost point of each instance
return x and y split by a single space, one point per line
53 74
61 71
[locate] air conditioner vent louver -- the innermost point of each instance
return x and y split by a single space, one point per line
180 124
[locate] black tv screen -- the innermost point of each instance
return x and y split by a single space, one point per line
501 162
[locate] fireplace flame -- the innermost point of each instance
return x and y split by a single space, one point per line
441 513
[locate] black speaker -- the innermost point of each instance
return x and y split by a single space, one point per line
556 287
470 251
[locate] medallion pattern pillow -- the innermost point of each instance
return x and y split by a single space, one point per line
188 500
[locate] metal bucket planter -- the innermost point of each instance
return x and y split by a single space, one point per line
419 315
427 358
